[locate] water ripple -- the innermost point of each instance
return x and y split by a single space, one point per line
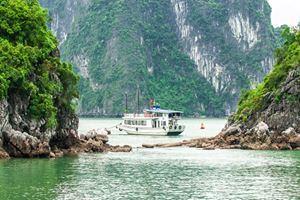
192 174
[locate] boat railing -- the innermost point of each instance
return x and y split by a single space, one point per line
176 117
137 115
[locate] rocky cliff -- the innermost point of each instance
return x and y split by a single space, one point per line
189 55
37 91
268 117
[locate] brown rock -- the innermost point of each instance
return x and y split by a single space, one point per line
70 152
148 145
281 139
201 142
289 131
94 146
51 155
101 137
284 146
261 128
3 154
231 131
166 145
250 146
263 147
125 148
206 145
209 148
20 144
175 144
232 140
294 142
192 144
59 153
235 146
274 147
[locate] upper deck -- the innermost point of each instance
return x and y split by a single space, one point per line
154 113
162 111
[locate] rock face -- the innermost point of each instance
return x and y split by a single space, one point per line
268 117
283 114
207 50
96 141
50 143
37 90
275 127
22 136
61 22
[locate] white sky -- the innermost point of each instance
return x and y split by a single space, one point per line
285 12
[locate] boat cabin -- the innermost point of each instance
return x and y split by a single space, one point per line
153 118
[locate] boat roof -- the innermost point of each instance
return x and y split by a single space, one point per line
162 111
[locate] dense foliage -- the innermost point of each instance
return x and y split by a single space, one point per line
131 40
29 64
288 58
135 45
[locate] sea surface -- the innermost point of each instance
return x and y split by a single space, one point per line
160 173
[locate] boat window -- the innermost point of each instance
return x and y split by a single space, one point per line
163 123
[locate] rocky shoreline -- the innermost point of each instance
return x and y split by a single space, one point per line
275 125
23 145
235 137
24 137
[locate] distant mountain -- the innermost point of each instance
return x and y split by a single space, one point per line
191 55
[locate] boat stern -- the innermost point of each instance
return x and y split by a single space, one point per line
175 130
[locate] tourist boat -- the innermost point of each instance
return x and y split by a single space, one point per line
154 121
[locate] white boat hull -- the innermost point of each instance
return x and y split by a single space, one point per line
130 130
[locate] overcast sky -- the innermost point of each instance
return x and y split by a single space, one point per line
285 12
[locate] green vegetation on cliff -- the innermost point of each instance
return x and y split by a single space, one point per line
288 58
133 46
192 55
30 64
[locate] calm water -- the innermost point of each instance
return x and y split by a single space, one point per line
173 173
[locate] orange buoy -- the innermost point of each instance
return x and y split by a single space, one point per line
202 126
